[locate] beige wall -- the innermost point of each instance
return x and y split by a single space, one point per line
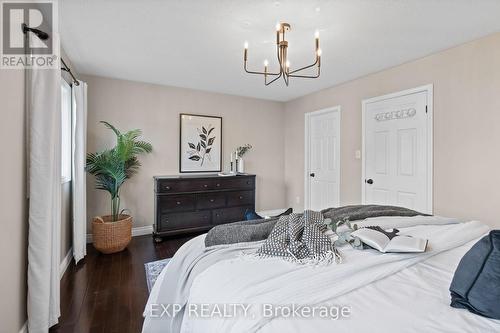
466 128
13 239
155 109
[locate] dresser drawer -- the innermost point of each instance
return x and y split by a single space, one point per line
227 215
237 182
240 198
184 220
186 185
210 200
176 203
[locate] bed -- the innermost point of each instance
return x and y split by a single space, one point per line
373 291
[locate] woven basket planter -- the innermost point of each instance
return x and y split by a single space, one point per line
111 237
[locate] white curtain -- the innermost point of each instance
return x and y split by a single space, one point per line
79 176
44 163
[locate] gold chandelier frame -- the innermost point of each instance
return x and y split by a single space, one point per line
284 65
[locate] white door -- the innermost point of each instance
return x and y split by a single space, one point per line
398 150
322 179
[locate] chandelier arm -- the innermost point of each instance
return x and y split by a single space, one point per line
309 76
306 76
261 73
286 78
278 53
305 67
276 78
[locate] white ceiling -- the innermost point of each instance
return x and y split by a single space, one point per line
199 44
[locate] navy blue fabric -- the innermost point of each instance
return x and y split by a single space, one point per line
251 215
476 284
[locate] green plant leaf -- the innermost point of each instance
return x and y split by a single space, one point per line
111 127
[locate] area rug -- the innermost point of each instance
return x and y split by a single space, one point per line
153 269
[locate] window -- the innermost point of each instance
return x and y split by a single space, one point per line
65 131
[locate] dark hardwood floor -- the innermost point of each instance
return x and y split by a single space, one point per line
107 293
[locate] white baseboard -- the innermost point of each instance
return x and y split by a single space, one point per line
24 329
65 263
138 231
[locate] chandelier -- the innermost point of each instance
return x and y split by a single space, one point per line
284 64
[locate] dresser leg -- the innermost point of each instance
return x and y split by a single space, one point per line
157 239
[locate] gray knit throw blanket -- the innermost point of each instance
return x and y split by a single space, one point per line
300 238
256 230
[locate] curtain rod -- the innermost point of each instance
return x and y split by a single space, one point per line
44 36
68 70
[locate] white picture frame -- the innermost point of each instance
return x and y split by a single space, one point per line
200 143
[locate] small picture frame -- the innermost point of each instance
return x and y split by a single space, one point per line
200 143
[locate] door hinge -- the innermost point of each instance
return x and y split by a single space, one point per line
426 109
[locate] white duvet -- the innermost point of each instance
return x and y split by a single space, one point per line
383 292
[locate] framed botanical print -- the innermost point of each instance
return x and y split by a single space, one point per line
200 144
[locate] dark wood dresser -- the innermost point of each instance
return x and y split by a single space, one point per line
185 204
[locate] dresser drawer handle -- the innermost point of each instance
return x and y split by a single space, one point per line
217 185
240 197
166 187
248 182
178 203
205 185
212 200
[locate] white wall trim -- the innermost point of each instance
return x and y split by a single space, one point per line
429 89
307 122
137 231
65 262
24 329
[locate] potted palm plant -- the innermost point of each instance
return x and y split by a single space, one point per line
111 168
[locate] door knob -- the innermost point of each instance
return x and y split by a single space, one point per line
312 174
369 181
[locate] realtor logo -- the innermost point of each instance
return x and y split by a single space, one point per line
28 34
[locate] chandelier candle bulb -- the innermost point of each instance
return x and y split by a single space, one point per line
246 51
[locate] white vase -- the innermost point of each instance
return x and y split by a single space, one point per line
241 166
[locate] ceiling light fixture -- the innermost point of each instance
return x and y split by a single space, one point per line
284 64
